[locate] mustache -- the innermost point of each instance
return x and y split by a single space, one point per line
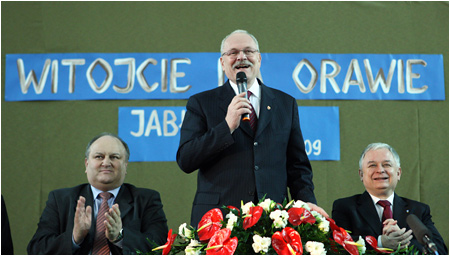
244 62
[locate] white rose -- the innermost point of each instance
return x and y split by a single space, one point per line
231 220
315 248
279 218
246 208
191 248
361 249
301 204
265 243
275 214
261 243
284 214
191 251
194 243
267 205
324 226
185 232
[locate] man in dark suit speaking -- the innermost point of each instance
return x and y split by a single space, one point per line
238 162
105 216
379 212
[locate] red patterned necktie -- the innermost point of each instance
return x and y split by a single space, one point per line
253 118
387 212
100 243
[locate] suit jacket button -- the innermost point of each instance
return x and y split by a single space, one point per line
256 167
255 143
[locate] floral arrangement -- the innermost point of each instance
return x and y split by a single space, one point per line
267 228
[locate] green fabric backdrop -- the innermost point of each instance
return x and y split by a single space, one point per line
43 143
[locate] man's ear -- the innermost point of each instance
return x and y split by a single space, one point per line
361 174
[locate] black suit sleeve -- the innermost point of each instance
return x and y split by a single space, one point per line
7 244
151 223
51 236
342 215
299 171
201 140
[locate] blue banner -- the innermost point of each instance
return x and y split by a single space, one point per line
153 133
130 76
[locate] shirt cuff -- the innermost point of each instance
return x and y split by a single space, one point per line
380 245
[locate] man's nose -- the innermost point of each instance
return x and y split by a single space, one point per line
380 169
106 161
241 55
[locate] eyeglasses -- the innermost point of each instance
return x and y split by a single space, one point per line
234 53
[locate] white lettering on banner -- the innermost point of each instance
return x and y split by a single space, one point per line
31 78
170 127
26 81
72 63
109 75
354 69
316 145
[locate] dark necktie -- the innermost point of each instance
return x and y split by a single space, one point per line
100 242
387 212
253 118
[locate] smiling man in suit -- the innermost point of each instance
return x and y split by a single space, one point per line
238 162
106 216
379 211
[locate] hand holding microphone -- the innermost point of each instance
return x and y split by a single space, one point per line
241 80
239 107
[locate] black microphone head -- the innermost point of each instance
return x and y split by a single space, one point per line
418 228
241 77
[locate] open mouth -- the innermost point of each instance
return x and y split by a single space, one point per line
243 66
381 178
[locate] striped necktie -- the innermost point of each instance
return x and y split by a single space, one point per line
253 117
100 242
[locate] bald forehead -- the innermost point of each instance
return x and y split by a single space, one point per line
107 144
241 38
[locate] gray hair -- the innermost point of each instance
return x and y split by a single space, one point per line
379 145
88 148
239 31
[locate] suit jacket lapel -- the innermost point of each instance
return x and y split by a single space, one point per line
266 109
400 211
226 95
124 199
368 212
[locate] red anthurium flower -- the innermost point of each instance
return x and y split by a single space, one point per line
333 225
299 216
221 243
287 242
167 246
254 214
343 238
374 243
209 224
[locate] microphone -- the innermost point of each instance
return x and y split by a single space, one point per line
422 233
241 80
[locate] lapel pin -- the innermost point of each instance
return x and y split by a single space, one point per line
269 108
